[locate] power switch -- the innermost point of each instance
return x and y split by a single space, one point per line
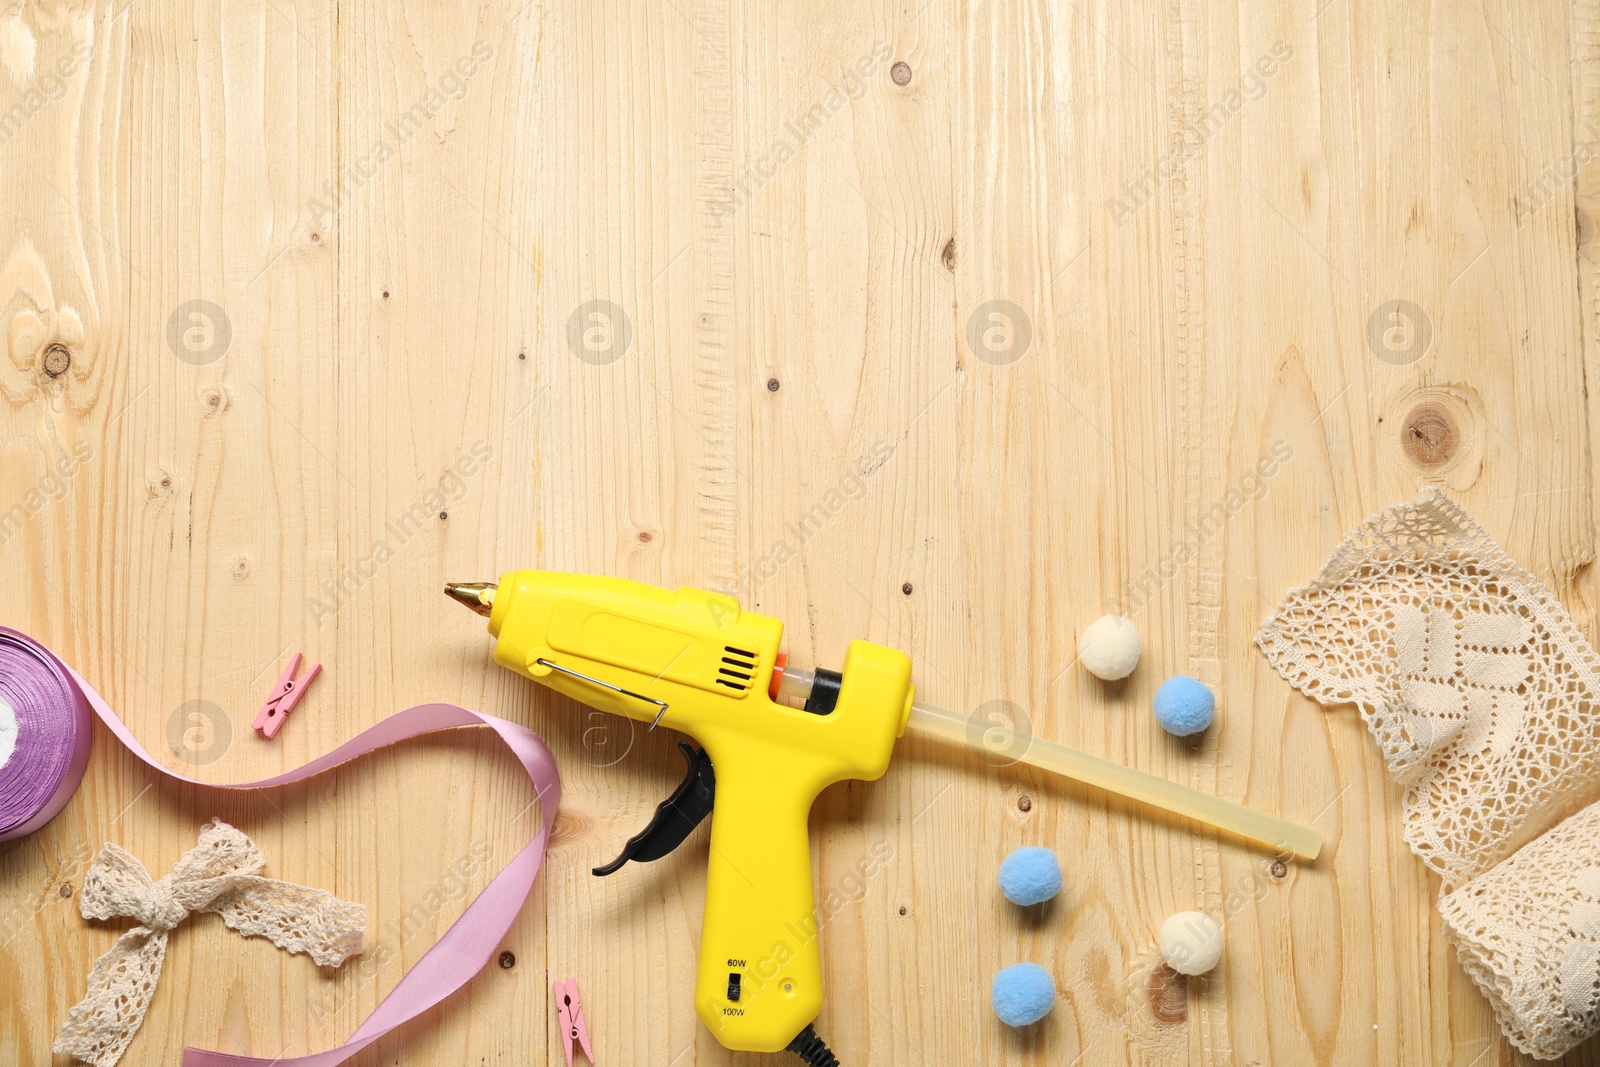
733 985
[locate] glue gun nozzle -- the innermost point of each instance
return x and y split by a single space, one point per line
479 596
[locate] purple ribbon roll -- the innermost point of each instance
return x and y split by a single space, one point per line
44 734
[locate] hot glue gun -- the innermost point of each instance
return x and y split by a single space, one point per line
771 737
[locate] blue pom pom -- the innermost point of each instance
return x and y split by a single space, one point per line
1184 706
1022 994
1030 875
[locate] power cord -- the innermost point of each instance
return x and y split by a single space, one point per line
811 1048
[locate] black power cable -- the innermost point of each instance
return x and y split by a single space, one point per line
811 1048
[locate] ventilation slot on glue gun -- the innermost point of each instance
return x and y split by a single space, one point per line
739 668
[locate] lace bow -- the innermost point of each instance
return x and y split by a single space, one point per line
217 875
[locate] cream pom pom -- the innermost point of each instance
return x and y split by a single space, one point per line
1191 942
1110 647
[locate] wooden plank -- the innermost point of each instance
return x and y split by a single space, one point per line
1084 307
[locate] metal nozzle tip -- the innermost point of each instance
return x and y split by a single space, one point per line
479 596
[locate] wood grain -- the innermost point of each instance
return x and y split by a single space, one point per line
310 307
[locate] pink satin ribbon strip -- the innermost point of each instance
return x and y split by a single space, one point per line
473 939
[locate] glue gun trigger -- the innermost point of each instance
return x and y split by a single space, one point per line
675 817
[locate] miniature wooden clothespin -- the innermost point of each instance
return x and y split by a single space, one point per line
570 1013
285 695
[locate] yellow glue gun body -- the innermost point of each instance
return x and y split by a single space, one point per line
696 662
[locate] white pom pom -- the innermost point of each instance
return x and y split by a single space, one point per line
1110 647
1191 942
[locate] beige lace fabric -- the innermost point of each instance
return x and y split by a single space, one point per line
1482 695
217 875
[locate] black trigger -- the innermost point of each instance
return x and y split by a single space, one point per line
675 817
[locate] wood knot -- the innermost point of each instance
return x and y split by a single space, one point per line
213 400
1169 994
570 826
948 256
1442 433
508 960
900 73
1280 869
1024 803
56 360
1429 435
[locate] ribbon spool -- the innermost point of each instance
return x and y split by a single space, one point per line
45 724
44 735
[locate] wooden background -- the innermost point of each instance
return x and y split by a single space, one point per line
398 218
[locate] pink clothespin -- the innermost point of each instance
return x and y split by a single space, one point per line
570 1012
285 695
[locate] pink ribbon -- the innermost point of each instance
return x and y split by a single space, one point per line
472 939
